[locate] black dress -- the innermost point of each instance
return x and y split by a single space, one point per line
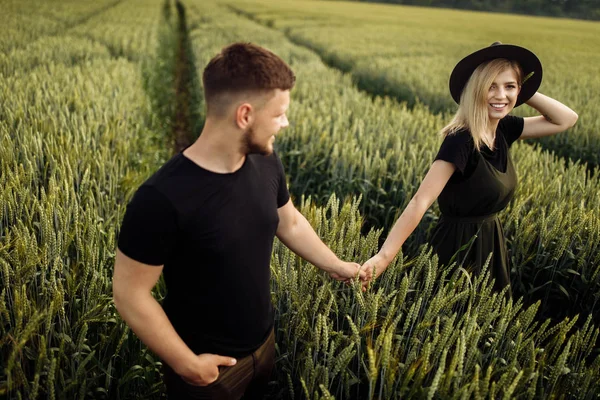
482 186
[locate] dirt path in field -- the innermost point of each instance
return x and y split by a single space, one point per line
182 125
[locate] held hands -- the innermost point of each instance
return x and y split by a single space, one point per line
205 369
346 271
374 267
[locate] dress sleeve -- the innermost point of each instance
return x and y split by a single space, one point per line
456 149
148 231
283 195
512 128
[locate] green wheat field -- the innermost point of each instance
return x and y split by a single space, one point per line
88 107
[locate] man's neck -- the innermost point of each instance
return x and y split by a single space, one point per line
216 150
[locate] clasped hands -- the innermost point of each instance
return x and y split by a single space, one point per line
346 271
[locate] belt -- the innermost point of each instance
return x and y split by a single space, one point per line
469 220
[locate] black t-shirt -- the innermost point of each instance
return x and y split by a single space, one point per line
214 234
459 148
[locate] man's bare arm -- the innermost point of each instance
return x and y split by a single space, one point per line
299 236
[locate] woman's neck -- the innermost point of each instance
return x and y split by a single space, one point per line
492 126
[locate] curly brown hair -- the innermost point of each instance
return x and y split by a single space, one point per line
244 67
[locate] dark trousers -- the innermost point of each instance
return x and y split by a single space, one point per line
248 378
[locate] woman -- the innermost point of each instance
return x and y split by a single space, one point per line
473 176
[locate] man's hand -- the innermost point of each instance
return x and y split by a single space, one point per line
205 369
298 235
345 271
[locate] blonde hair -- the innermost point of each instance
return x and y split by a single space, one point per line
472 113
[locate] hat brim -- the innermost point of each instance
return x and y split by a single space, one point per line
530 64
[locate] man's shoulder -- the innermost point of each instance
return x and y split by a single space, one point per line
272 158
168 180
271 163
173 167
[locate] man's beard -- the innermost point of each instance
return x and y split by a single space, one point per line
251 146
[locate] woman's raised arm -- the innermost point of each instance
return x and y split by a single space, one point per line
555 118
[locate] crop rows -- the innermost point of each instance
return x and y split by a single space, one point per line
78 133
408 53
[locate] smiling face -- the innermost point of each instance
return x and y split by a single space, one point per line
269 120
489 95
502 94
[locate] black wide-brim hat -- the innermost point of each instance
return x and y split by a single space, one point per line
530 64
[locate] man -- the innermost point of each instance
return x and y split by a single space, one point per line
207 219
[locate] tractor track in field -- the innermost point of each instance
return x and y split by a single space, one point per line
182 132
188 118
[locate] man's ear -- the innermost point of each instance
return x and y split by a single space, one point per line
244 116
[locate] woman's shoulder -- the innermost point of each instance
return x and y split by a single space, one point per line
459 138
511 127
457 148
511 123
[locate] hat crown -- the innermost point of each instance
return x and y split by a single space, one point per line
528 61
